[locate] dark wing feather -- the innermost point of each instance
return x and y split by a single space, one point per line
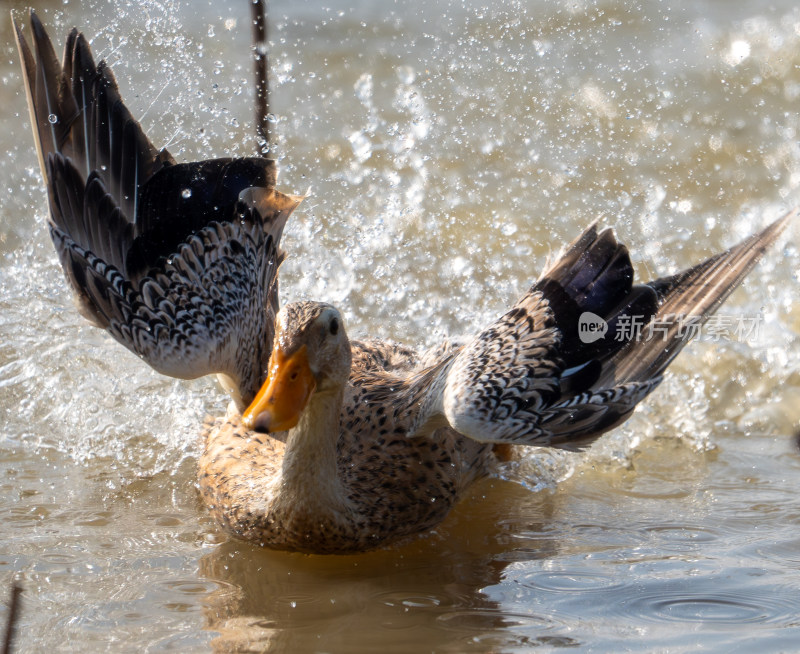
210 310
211 306
530 379
76 110
180 200
177 261
689 297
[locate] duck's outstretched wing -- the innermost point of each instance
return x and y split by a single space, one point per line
686 301
76 111
562 366
177 261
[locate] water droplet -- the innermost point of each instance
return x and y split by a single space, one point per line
211 30
509 229
406 74
363 88
272 118
53 119
740 50
186 193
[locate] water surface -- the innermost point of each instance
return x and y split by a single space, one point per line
449 149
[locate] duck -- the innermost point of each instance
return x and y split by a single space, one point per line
332 445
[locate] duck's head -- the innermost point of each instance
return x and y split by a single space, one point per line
311 354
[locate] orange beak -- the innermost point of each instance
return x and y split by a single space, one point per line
282 398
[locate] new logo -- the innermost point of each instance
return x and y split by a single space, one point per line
591 327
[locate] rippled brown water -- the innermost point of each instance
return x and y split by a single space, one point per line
449 149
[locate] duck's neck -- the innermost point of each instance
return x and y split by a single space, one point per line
310 480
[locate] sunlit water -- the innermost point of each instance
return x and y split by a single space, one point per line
449 148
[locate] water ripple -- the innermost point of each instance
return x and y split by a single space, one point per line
721 608
412 600
569 581
487 619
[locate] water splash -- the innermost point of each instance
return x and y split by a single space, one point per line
68 387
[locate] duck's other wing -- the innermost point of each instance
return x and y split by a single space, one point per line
540 375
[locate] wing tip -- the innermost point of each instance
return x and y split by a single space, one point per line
779 226
696 291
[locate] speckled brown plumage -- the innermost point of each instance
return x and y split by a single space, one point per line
395 486
372 442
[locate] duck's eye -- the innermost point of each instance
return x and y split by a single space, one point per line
333 326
